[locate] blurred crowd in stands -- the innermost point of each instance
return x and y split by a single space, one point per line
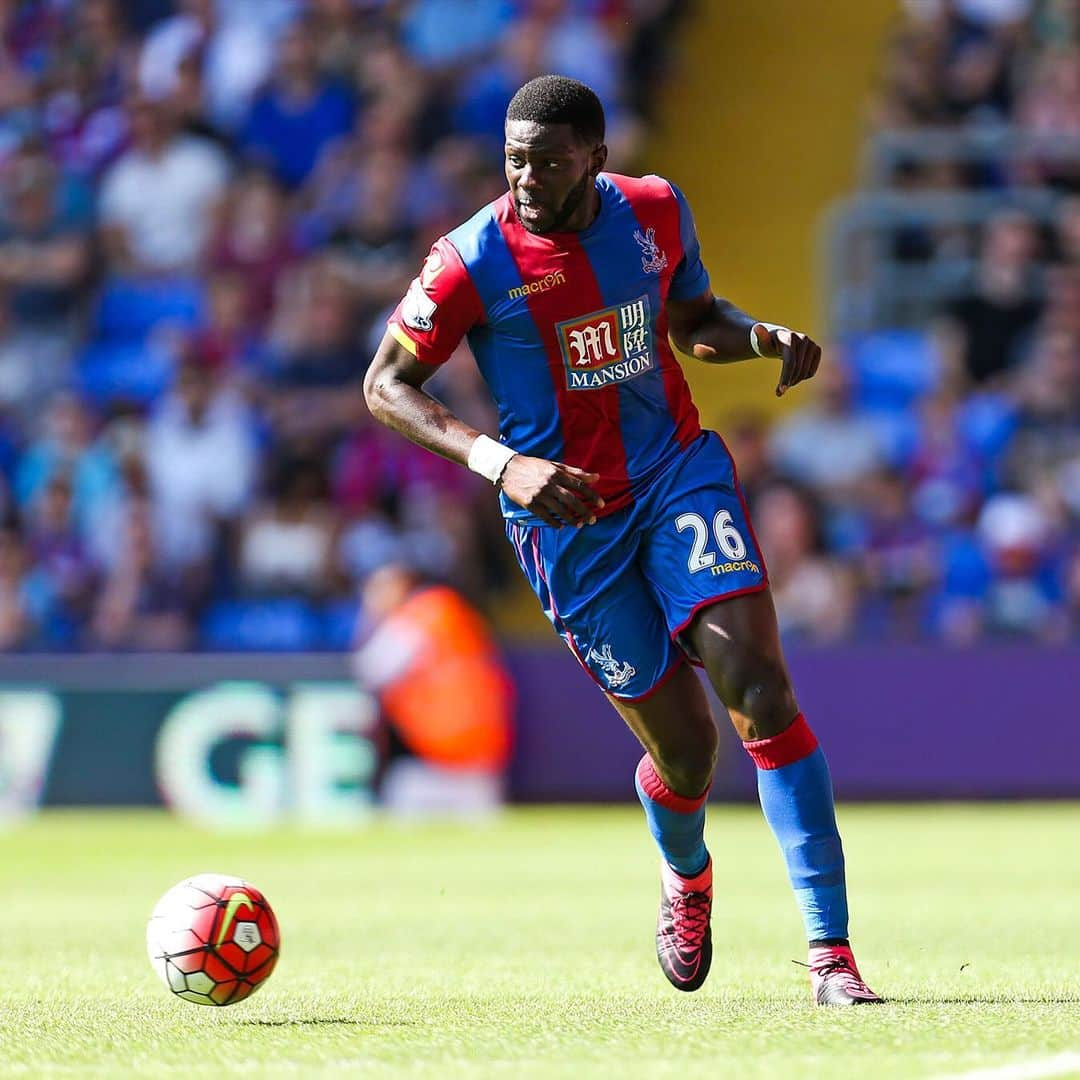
932 489
206 211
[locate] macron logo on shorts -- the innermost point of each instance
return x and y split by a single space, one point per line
607 346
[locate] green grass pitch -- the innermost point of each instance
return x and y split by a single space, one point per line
524 949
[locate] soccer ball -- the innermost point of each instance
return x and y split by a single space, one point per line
213 939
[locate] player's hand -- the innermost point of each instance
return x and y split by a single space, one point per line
557 494
800 354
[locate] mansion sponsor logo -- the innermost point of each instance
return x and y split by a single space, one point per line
734 567
608 346
548 281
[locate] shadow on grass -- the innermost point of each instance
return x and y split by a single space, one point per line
316 1021
981 999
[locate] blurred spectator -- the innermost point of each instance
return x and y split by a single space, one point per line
828 445
976 86
1008 582
554 35
253 241
579 45
226 341
144 605
388 76
1056 22
900 562
298 114
338 27
44 250
44 259
312 387
993 14
1050 105
1047 437
343 178
33 368
233 55
998 316
402 499
376 243
1051 99
81 95
1068 231
200 457
815 600
944 473
445 697
123 439
747 437
63 574
66 445
287 543
157 200
1072 587
16 626
480 108
442 34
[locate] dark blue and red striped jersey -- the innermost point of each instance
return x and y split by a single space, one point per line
570 329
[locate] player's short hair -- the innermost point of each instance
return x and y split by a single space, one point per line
556 99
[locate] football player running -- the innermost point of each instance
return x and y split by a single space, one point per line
625 515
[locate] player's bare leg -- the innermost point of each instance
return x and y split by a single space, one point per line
675 726
739 643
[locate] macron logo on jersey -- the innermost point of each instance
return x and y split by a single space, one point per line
548 281
608 346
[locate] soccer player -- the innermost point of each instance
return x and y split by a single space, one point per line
626 517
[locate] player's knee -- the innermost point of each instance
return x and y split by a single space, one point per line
687 766
757 687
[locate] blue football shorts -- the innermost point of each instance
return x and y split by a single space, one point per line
621 592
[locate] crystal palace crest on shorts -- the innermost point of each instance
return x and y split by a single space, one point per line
616 672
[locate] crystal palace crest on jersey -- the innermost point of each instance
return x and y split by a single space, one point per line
653 259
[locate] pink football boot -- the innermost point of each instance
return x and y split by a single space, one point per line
683 938
835 979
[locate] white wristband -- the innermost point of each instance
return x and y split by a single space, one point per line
771 327
489 458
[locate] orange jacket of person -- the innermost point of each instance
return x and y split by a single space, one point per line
440 681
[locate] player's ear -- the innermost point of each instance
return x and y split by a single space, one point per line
598 160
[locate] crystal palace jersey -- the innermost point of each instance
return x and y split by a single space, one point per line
570 330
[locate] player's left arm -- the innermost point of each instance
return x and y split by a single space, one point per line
716 331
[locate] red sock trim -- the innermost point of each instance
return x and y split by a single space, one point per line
649 780
792 744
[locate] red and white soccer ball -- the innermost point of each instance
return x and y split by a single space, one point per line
213 939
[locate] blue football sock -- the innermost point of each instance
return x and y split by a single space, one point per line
797 798
677 823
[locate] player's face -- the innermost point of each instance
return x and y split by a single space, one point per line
551 173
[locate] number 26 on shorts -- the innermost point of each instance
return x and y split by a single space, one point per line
728 539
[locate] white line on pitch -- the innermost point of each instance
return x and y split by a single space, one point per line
1059 1065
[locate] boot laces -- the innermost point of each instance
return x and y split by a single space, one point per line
690 916
846 974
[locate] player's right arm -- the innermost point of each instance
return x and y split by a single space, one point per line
558 494
423 332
